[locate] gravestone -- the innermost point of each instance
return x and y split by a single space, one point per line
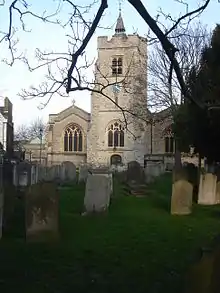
152 170
181 201
34 173
135 173
182 192
53 173
148 173
83 173
105 172
22 178
42 173
15 175
97 196
1 210
207 189
218 193
1 198
218 185
156 170
68 171
9 203
42 212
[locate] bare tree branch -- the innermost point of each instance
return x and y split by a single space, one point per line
66 71
168 47
27 132
164 88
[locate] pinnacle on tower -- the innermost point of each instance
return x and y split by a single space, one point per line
120 28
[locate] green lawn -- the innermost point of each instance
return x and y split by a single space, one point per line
136 247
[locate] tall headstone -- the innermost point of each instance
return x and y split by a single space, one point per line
83 173
53 173
1 198
68 172
97 196
218 193
181 202
104 172
182 193
135 173
42 173
153 170
207 189
42 212
34 173
15 175
1 210
9 203
23 174
218 185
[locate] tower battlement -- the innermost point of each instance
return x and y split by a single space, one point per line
121 41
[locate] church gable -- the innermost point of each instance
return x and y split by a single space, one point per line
71 121
72 110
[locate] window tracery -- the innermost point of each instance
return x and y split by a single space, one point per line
116 135
73 139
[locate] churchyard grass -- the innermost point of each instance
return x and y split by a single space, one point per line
137 246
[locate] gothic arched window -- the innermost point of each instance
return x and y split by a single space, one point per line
169 141
117 65
116 135
73 139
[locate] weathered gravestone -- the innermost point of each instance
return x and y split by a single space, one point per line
34 173
207 189
53 174
1 198
97 196
156 170
104 172
218 185
135 173
182 193
83 173
1 210
68 172
9 203
22 174
42 173
148 173
42 212
152 170
218 192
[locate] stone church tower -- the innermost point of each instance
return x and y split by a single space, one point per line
117 132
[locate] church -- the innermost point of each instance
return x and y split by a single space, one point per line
117 130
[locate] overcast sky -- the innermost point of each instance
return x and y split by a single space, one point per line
51 37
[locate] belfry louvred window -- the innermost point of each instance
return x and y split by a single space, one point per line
117 66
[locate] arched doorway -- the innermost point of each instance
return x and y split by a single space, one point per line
116 160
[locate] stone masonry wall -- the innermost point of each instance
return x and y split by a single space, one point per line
104 111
